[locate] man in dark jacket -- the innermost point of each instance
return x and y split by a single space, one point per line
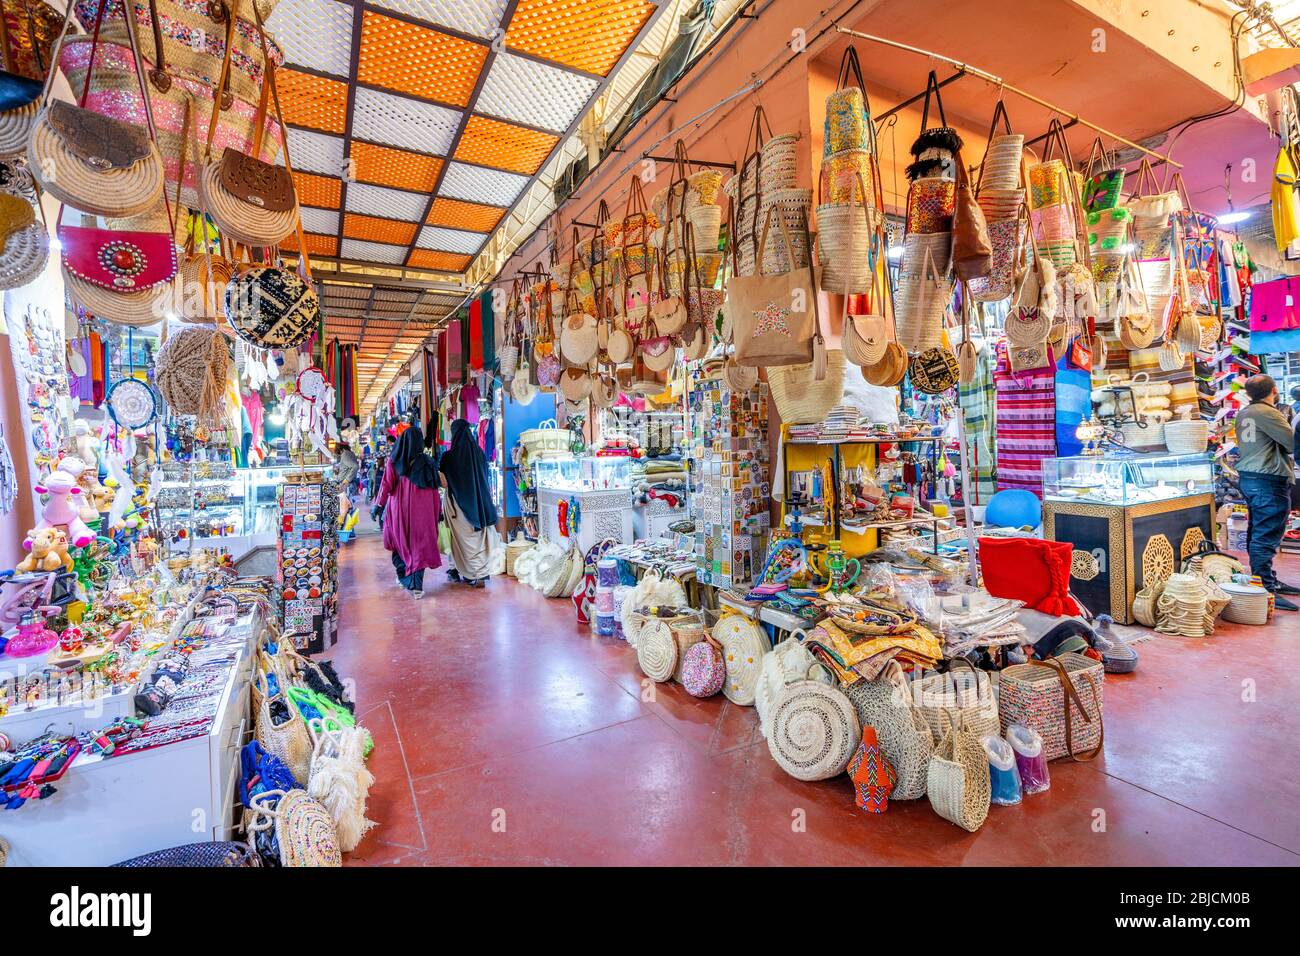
1266 471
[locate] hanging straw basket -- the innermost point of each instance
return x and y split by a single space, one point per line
799 397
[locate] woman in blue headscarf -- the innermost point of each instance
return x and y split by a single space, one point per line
470 511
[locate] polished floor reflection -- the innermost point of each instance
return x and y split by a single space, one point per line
507 734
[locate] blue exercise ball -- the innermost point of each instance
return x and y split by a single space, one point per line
1014 508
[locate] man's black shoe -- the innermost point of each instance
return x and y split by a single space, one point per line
1283 588
1282 604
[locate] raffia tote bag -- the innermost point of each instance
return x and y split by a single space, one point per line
844 239
96 164
773 316
1061 699
957 779
865 337
886 704
920 322
964 694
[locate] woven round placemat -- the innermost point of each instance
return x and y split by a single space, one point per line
24 257
109 192
15 127
656 650
814 731
240 220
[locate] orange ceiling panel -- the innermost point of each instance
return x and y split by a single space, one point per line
322 191
443 261
313 101
317 245
412 59
386 166
375 229
457 214
587 35
490 142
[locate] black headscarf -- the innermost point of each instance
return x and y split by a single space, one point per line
410 461
466 471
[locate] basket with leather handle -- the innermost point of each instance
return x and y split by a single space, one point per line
1061 699
94 163
252 201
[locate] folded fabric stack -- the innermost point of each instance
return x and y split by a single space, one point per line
853 655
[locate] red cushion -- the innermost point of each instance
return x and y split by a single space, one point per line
1030 570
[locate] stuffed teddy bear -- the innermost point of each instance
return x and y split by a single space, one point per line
49 551
62 510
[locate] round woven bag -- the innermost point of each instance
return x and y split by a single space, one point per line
303 828
815 731
743 645
703 670
131 191
15 127
240 220
575 384
191 370
656 650
24 256
137 308
271 307
740 378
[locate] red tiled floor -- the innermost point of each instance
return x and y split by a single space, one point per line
507 734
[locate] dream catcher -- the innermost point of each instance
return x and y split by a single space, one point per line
309 412
131 402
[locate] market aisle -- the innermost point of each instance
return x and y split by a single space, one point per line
496 706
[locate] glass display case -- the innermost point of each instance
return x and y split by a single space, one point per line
589 473
1121 480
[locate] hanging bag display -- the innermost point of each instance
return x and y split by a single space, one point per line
1103 179
773 316
579 335
972 248
96 164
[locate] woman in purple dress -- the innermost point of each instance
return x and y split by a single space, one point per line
408 494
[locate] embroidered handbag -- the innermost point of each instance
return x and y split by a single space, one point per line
272 307
1103 179
774 316
122 276
934 371
96 164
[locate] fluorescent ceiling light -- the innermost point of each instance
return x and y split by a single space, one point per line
1237 215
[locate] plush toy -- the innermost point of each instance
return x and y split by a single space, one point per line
62 510
87 478
49 551
85 443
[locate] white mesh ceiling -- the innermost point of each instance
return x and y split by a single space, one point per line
450 240
324 221
315 152
533 93
373 252
399 121
476 184
388 203
314 33
479 18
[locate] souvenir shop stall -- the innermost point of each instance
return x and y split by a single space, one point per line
151 694
938 452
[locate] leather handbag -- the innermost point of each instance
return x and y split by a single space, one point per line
972 249
252 201
774 316
94 163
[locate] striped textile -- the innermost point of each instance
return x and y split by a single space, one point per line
1026 422
978 404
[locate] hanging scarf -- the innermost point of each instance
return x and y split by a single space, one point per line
466 471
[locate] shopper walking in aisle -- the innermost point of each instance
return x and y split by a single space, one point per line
408 497
1266 471
470 511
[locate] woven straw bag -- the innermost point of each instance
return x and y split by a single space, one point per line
25 255
799 397
15 127
886 704
303 828
191 369
957 779
814 730
1061 699
922 300
744 643
965 695
656 650
290 741
786 663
